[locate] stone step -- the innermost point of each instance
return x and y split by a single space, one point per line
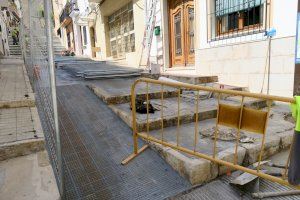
26 102
11 61
14 47
197 171
207 109
117 91
227 87
120 62
21 132
15 50
192 79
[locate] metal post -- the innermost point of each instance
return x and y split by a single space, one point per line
22 33
48 27
30 33
269 65
297 63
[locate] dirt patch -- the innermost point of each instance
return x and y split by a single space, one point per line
226 135
288 117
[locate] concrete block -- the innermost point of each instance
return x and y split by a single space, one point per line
286 139
21 148
272 146
228 155
196 170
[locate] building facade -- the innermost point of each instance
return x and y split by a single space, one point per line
224 38
4 48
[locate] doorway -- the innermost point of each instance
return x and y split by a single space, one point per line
181 25
93 41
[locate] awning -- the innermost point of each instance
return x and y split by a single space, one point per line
224 7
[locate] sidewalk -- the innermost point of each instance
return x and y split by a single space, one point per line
20 128
25 171
27 178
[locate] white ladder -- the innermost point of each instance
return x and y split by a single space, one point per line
148 34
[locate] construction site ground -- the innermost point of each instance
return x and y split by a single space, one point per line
96 137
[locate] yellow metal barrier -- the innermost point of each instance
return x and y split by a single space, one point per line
238 117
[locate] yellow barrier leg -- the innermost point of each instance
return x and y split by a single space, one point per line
132 156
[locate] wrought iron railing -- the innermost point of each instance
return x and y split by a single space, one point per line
234 18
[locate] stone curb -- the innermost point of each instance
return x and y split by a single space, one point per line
198 171
17 103
21 148
120 99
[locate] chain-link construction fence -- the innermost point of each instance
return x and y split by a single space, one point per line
37 48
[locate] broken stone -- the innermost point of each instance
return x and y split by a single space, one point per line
226 135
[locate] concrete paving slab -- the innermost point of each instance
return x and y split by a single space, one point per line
15 89
20 132
117 91
28 178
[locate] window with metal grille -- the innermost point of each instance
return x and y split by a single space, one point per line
234 18
121 31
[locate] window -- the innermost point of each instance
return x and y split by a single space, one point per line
121 31
233 18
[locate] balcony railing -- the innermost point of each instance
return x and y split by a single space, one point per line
65 15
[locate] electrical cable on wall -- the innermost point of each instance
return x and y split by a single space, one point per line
266 65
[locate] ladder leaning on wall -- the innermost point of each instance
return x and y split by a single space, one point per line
148 34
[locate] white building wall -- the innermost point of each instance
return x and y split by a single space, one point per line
156 53
242 60
87 51
4 48
77 38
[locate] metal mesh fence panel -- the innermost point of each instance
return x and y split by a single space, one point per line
37 48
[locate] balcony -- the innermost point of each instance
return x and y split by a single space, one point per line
74 9
64 17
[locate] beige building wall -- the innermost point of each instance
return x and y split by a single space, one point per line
58 6
242 61
102 29
246 65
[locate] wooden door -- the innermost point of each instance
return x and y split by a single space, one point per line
181 25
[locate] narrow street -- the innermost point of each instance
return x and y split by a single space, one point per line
95 141
149 99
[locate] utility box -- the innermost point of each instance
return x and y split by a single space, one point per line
157 30
155 68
